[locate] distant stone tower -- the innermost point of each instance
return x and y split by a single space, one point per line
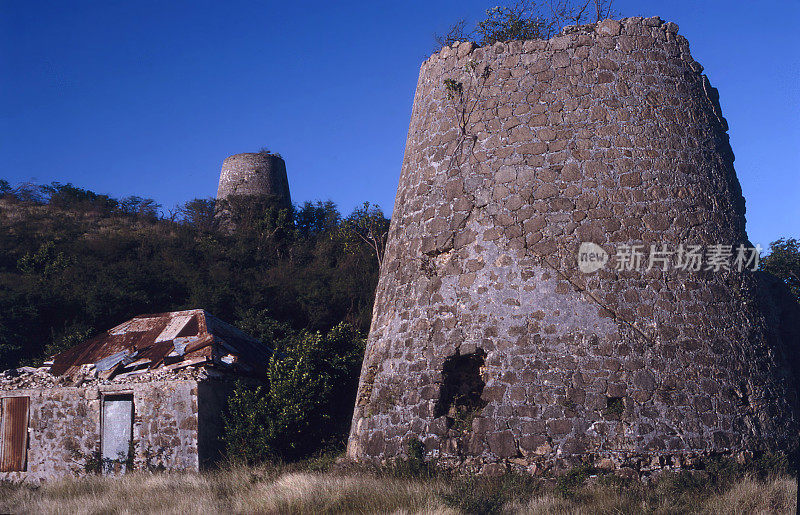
261 174
490 345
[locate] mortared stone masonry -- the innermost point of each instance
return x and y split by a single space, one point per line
489 344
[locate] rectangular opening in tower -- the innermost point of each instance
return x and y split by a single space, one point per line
462 387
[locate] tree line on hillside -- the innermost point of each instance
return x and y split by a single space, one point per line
75 263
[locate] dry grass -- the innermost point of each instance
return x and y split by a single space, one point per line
237 490
316 493
281 490
746 496
778 495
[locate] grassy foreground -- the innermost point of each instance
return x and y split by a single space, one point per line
314 489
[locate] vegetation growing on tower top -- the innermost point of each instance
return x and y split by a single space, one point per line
526 19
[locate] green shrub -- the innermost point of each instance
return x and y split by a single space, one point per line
311 380
723 470
681 483
246 440
414 465
783 261
518 22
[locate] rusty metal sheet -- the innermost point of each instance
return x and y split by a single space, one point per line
156 353
111 361
173 328
120 329
14 434
199 343
192 328
138 333
249 349
163 338
142 325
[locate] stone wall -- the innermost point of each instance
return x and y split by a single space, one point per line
517 153
64 426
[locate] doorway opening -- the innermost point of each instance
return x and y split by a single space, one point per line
116 435
462 386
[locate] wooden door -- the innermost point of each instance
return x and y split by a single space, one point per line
14 434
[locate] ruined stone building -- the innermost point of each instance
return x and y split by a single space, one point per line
255 174
248 183
147 393
491 346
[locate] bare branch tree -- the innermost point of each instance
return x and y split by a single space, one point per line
571 12
366 226
527 19
456 32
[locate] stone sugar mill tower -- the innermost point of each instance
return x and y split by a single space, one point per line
489 344
255 174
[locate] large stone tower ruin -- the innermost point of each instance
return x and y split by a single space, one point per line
255 174
490 345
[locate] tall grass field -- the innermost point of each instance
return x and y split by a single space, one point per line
336 489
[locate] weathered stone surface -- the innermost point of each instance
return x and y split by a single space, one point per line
608 27
64 425
608 134
260 174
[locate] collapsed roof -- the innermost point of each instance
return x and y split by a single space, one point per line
166 341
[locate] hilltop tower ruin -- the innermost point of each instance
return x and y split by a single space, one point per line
255 174
490 345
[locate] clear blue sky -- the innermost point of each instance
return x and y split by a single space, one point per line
147 98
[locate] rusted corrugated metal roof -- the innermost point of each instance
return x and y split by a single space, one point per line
171 340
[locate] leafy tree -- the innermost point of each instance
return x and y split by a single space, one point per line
199 214
783 261
312 380
67 196
46 261
518 22
248 415
69 336
257 219
138 207
260 325
577 12
29 192
366 226
316 218
5 188
456 32
15 313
